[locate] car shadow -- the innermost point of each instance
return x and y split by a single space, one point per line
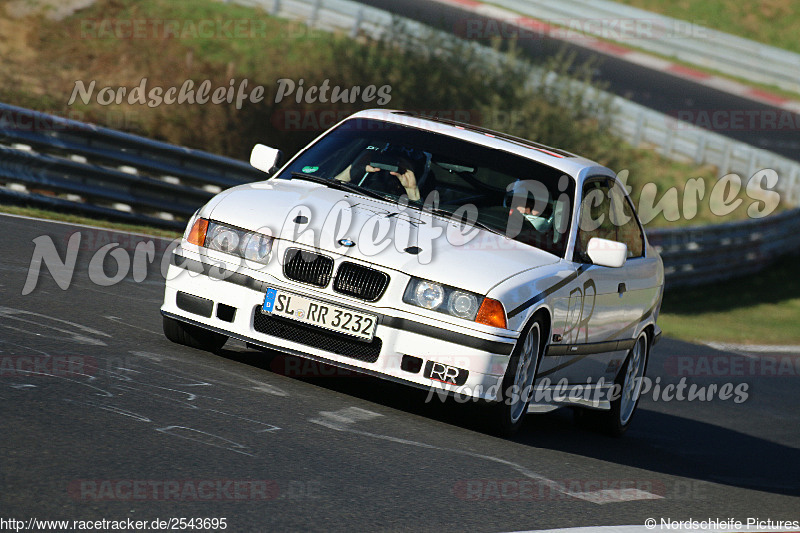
676 446
657 442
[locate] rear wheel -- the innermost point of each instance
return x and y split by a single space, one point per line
506 416
628 386
192 336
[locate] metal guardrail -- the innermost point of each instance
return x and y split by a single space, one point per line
683 40
681 141
99 171
704 254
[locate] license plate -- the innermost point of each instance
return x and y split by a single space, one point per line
318 313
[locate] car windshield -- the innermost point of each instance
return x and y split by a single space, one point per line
482 186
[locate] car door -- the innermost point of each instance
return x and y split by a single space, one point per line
608 303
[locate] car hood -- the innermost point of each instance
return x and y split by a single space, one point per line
382 233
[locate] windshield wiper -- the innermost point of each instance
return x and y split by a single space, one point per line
340 185
446 213
488 228
438 211
349 187
310 177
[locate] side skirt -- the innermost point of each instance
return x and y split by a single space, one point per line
592 396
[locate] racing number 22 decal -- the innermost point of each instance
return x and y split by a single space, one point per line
581 308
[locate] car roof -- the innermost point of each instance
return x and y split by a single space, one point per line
571 164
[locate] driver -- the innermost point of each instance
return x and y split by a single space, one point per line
393 174
532 210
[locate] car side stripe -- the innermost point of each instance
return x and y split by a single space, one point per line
581 351
588 348
547 292
485 345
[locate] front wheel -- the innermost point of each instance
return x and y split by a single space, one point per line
627 388
506 416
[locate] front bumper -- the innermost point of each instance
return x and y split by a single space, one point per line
229 303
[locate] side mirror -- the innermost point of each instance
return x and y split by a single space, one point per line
265 158
607 253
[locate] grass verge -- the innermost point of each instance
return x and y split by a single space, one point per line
762 308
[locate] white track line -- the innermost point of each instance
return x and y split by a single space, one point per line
754 348
343 419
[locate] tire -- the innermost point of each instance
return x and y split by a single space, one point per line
193 336
627 385
505 417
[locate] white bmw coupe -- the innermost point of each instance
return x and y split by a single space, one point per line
435 254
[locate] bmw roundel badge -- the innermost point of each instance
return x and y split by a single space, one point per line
347 242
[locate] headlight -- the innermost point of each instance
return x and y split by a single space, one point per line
227 239
441 298
462 304
222 239
428 294
256 247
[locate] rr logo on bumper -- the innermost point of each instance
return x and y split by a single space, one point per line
445 373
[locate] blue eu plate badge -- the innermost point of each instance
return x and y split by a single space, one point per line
269 300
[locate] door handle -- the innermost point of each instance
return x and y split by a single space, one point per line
621 288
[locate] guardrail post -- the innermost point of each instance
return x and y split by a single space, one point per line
794 194
669 141
700 155
751 164
312 19
726 160
638 130
276 8
357 23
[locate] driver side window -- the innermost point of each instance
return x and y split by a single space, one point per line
595 219
627 226
607 213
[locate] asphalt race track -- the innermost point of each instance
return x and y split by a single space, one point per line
103 418
657 90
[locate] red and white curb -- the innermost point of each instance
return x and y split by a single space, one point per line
630 55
